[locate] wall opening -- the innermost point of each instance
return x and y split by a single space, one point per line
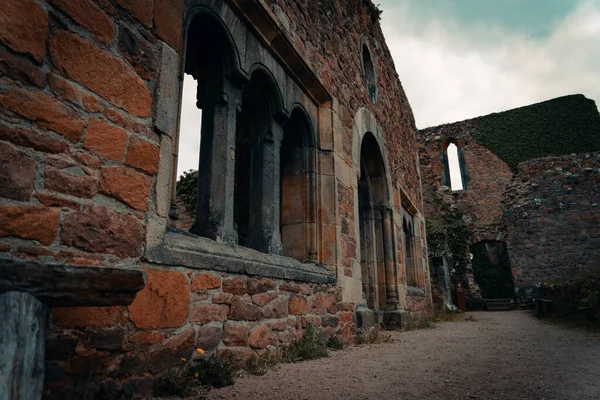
412 277
369 76
454 168
491 269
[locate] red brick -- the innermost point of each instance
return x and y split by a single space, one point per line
50 200
235 334
127 185
260 299
261 337
17 175
222 298
236 285
260 285
163 303
105 140
80 317
91 103
87 14
24 27
100 230
4 247
143 155
208 337
29 222
88 160
148 338
205 313
276 308
168 20
44 110
289 287
205 282
78 186
141 9
241 310
345 317
63 88
138 52
298 305
28 138
101 72
20 68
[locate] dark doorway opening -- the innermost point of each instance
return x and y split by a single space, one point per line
491 270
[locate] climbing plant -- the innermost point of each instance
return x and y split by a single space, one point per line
374 10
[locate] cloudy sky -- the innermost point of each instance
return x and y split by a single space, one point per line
459 59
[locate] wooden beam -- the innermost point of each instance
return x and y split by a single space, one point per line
67 285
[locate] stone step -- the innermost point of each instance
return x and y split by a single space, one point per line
498 304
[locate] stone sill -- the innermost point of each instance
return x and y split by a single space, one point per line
180 248
415 291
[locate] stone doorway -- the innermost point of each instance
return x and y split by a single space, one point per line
491 269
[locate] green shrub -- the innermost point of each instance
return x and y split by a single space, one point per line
310 347
334 343
259 365
215 371
187 190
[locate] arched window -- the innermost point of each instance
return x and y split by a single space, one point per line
455 173
368 70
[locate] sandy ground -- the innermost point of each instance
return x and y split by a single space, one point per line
500 355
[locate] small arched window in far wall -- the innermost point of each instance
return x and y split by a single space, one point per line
455 173
368 70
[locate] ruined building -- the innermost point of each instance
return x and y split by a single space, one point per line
525 201
309 206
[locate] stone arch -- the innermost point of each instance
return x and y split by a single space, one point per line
273 91
452 144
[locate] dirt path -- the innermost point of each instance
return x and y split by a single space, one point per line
501 355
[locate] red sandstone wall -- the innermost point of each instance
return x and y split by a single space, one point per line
553 211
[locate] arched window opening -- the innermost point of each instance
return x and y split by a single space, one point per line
369 72
409 253
375 227
296 188
454 168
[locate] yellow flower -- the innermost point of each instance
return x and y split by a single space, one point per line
196 374
200 351
183 359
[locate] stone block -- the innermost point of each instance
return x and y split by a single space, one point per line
209 337
81 317
235 334
78 186
261 337
29 222
24 27
21 68
163 303
106 140
243 311
256 285
202 282
138 52
141 9
167 93
276 308
44 142
205 313
87 14
260 299
127 185
235 285
222 298
172 351
298 305
148 338
143 155
17 175
168 20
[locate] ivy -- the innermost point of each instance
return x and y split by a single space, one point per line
187 190
374 10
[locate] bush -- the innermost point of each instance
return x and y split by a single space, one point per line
310 347
187 190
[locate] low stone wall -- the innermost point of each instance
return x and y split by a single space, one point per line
553 209
121 348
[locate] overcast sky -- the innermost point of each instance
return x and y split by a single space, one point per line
459 59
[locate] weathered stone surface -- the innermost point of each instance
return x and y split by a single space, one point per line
261 337
28 138
99 230
24 27
276 309
163 303
101 72
260 285
61 347
127 185
205 282
260 299
298 305
143 155
167 93
331 320
222 298
205 313
44 110
285 337
50 200
29 222
76 317
137 52
141 9
105 140
62 182
106 339
241 310
171 352
17 175
290 287
168 19
235 334
87 159
235 285
148 338
209 337
19 67
87 14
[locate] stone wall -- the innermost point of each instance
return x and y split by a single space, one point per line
89 103
553 211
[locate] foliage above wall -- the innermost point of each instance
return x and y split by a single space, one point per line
187 190
564 125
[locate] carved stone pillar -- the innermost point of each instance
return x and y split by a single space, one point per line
388 251
214 210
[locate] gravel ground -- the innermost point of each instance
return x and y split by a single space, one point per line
498 355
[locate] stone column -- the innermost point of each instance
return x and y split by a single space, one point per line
312 212
265 233
388 251
214 208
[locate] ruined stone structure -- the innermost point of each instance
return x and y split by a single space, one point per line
309 206
532 188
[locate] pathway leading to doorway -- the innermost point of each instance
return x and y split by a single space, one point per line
501 355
